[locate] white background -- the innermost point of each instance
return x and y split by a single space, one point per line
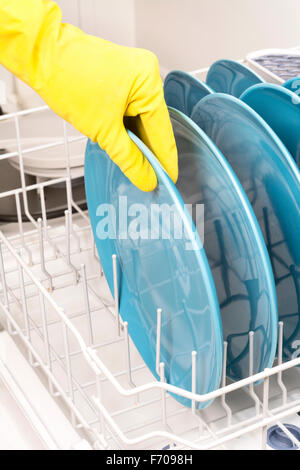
190 33
185 34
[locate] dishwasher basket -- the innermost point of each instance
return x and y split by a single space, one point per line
56 305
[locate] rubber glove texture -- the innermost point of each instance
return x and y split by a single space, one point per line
91 83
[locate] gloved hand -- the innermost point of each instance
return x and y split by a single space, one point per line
92 83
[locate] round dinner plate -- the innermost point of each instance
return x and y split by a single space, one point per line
161 264
234 247
233 78
183 91
280 108
157 273
271 180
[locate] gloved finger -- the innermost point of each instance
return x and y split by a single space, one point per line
148 104
155 130
124 153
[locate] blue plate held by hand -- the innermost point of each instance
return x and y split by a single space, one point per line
233 78
161 264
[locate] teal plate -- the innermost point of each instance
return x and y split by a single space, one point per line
233 78
234 247
183 91
293 84
161 264
271 180
156 272
280 108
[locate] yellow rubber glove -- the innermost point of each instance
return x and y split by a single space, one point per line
91 83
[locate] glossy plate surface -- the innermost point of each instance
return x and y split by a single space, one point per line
293 84
233 78
183 91
234 247
280 108
158 267
271 180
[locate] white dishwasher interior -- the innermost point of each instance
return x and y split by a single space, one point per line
57 308
15 431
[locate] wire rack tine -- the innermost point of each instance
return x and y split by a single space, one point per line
194 378
42 255
101 417
265 412
111 431
22 172
69 183
5 291
158 337
87 304
69 368
20 224
116 293
127 355
223 397
68 245
163 394
25 311
251 386
46 341
280 350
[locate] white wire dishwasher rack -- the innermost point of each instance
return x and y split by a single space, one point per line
57 307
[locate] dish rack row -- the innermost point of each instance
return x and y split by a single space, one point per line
57 307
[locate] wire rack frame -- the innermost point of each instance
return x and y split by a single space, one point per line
45 262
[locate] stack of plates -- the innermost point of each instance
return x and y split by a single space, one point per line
183 91
235 274
271 180
262 154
